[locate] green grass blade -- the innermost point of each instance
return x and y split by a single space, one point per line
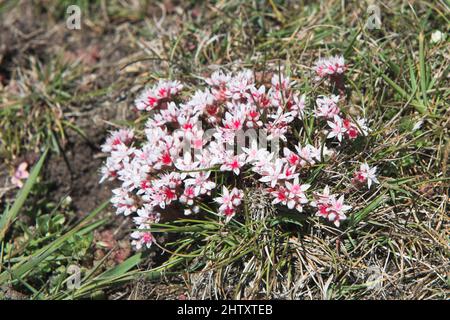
40 255
122 268
360 215
423 74
420 107
9 215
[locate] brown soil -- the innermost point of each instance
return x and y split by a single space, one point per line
75 173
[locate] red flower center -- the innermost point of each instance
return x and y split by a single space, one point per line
166 159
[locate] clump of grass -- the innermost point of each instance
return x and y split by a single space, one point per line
398 229
35 260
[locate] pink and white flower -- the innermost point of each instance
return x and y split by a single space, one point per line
233 163
110 169
330 207
296 194
329 66
234 121
229 201
218 79
291 157
21 173
142 239
124 203
200 182
239 86
280 195
201 101
298 105
272 173
188 195
152 98
337 128
326 107
336 210
146 216
308 155
365 174
121 136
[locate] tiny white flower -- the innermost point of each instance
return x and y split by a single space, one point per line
437 36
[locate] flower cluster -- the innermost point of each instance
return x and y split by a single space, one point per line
229 201
158 95
364 175
332 66
340 126
330 207
189 149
